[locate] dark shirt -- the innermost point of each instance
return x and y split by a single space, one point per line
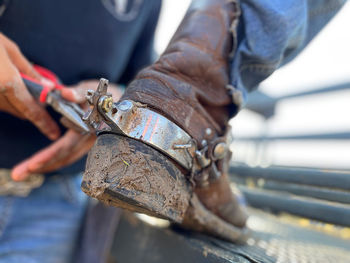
78 40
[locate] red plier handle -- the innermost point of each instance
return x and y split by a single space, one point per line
40 89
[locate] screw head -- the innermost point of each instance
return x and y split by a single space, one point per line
107 104
220 150
125 105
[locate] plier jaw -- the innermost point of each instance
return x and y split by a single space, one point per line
48 93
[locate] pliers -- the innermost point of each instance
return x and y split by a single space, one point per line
45 94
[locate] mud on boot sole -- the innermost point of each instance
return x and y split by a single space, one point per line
129 174
126 173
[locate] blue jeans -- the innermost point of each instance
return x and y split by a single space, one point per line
44 226
273 32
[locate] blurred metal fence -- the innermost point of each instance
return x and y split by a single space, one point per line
308 193
314 193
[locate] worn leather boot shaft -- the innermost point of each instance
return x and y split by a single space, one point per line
188 85
188 82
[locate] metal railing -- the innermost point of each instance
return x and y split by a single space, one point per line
314 193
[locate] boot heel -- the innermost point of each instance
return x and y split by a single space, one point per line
200 219
129 174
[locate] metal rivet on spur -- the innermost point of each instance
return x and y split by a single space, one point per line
125 105
182 146
220 150
208 131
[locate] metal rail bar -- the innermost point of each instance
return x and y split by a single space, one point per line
309 191
321 136
265 105
310 208
322 90
304 176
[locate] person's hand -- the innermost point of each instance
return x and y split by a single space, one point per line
14 96
71 146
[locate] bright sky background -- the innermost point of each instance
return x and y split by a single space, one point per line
325 61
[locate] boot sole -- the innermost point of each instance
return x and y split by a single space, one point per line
126 173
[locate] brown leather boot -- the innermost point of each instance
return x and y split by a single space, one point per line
172 126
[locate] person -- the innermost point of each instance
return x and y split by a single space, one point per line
195 84
80 41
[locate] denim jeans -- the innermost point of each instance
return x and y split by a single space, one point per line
272 32
44 226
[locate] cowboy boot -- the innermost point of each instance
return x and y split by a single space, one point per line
163 149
